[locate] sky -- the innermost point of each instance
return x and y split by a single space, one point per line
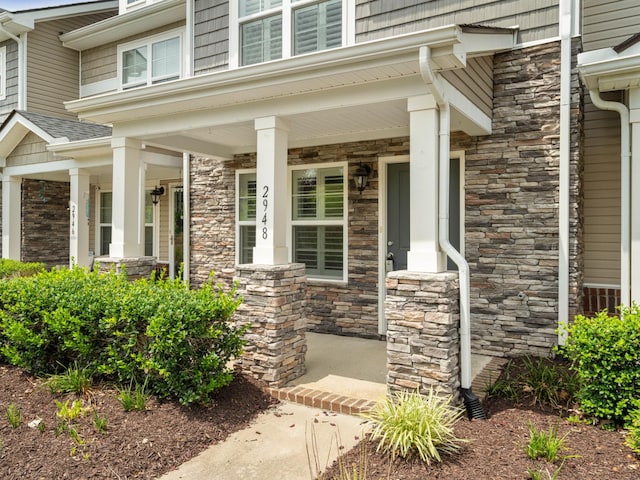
15 5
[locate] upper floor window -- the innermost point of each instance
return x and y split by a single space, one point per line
125 5
3 73
263 27
152 60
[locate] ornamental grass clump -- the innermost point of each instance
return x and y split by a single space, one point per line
409 423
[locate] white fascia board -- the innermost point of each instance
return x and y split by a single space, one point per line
125 25
606 70
248 81
56 166
471 119
90 148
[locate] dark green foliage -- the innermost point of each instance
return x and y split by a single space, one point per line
606 356
157 331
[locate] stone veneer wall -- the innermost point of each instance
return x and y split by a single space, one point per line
512 207
511 217
45 222
346 309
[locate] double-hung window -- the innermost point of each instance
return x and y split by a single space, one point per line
150 61
273 29
246 215
105 217
3 73
318 220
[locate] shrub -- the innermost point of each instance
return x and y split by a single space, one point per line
14 268
178 339
409 423
633 436
604 351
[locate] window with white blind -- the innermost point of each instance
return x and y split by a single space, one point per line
263 27
150 61
318 220
246 216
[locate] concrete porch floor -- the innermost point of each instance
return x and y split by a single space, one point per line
348 375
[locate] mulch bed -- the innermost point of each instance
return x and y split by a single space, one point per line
137 444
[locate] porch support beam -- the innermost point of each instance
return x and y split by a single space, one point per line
11 211
78 218
424 252
634 117
271 176
127 231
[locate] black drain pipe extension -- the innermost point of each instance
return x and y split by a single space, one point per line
471 402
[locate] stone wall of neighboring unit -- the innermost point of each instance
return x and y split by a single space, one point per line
45 222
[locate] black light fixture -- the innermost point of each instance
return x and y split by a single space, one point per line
155 193
360 176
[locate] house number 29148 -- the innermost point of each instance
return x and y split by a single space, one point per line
265 204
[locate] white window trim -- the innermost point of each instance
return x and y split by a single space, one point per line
348 26
3 73
148 42
98 224
345 219
125 6
239 172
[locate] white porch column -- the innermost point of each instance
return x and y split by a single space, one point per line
634 117
78 218
127 235
271 177
11 211
424 254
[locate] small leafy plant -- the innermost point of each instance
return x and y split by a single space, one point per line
541 474
547 445
633 435
74 379
133 397
100 423
409 423
69 413
14 415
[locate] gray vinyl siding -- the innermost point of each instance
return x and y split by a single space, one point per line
606 23
386 18
53 70
11 100
101 63
475 82
601 195
211 35
31 150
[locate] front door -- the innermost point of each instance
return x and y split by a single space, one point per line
398 235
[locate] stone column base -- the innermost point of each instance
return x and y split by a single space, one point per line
274 304
136 267
423 341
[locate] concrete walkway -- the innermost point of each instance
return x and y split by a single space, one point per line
275 446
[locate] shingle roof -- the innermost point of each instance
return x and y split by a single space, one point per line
74 130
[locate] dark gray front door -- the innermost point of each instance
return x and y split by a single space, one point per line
398 215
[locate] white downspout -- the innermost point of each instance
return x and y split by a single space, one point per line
625 191
22 73
566 27
186 215
429 77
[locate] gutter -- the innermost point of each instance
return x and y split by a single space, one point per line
471 402
625 190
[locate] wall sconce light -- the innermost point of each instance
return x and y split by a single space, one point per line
360 176
156 193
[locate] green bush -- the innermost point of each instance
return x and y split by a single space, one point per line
13 268
158 331
605 354
633 436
